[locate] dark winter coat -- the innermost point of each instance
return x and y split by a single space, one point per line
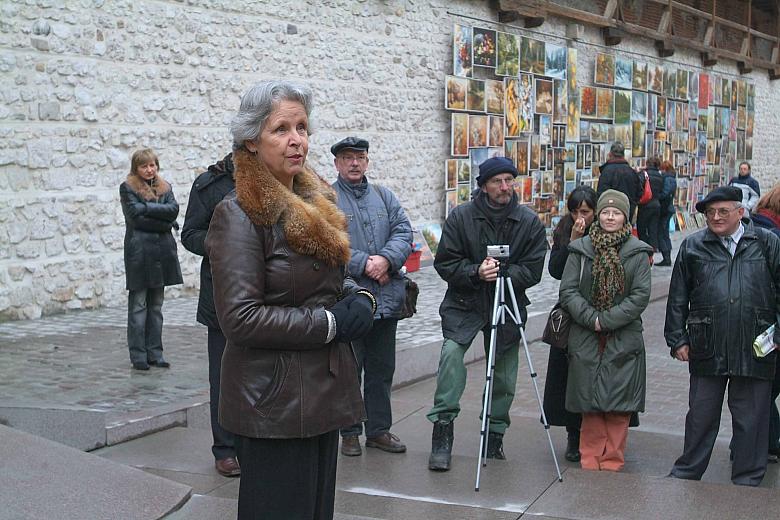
656 186
615 380
378 225
151 260
208 190
617 174
666 198
278 260
468 302
718 304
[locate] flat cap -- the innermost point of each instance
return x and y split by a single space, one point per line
351 143
719 194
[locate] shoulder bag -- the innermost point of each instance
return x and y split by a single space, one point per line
556 331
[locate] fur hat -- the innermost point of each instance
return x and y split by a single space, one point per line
613 199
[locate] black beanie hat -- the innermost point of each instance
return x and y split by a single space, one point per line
493 167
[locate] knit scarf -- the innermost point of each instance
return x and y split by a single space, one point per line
609 277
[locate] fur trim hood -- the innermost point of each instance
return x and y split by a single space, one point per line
146 191
313 224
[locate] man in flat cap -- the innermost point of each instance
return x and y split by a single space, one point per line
493 217
723 294
381 240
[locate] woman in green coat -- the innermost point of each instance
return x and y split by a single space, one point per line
606 287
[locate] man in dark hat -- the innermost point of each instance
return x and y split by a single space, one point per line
493 217
723 294
380 240
617 174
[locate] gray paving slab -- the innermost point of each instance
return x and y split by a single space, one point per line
201 484
43 479
74 427
608 496
391 508
201 507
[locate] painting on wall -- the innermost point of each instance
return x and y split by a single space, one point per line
508 55
484 47
475 100
455 89
639 75
526 103
544 97
461 51
496 135
605 69
655 79
478 131
561 101
622 107
494 97
605 107
459 138
623 73
555 61
588 102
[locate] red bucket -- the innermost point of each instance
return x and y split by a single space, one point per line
412 263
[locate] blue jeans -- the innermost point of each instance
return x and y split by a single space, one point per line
144 325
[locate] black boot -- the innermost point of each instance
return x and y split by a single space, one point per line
441 446
495 447
667 261
573 446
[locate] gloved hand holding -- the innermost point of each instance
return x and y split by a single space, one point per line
354 317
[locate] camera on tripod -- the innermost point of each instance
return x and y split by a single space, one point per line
500 251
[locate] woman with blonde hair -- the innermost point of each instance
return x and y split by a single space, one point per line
151 261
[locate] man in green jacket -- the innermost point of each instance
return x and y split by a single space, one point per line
493 217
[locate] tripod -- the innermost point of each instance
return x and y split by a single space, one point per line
500 311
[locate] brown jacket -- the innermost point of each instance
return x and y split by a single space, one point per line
277 261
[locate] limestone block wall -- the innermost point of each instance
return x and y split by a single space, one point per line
84 84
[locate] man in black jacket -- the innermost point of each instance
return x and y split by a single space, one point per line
617 174
722 295
207 191
492 218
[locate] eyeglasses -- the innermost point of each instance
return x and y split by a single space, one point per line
350 158
720 212
498 182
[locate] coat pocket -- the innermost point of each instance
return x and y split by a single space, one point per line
269 396
762 320
700 332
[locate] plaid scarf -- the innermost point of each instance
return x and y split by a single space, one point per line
609 277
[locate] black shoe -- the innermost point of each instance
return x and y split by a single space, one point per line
666 262
141 366
160 364
495 447
573 447
441 446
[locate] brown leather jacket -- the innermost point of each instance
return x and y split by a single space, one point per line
277 261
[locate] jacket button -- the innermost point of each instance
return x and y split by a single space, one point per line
731 300
316 266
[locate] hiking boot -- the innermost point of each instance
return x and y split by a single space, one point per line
350 446
386 442
573 447
441 446
495 447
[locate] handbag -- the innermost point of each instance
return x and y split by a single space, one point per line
411 291
647 194
556 330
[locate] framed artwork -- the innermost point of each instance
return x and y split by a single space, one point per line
605 103
652 109
638 106
704 90
588 102
584 131
605 69
464 171
716 91
660 115
622 107
733 90
451 174
742 92
599 132
452 201
496 134
555 61
522 157
461 50
693 88
682 84
538 57
510 151
638 131
639 76
477 156
561 100
508 55
545 129
544 97
655 79
623 73
512 107
750 97
526 99
459 141
534 153
478 131
455 89
670 82
494 97
623 135
573 118
475 100
464 193
571 70
483 47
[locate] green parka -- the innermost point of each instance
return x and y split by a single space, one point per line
615 380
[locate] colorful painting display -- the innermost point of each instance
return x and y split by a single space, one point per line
508 55
461 51
484 47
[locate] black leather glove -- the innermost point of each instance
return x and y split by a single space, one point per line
354 317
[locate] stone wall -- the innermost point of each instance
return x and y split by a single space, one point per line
85 83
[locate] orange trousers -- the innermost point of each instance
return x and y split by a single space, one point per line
603 440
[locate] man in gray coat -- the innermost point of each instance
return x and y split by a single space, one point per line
723 294
380 240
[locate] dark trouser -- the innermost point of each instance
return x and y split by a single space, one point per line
774 417
223 446
664 242
144 324
376 364
282 479
748 401
647 225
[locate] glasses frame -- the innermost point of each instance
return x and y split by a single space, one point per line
720 212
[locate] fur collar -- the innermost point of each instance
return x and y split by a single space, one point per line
313 224
157 189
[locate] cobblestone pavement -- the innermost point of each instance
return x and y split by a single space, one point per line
80 358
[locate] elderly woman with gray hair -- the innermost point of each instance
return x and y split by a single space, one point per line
278 248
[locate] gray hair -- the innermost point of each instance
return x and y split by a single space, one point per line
617 149
257 104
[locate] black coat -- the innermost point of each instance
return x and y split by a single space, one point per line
208 190
150 254
718 304
468 302
617 174
656 186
